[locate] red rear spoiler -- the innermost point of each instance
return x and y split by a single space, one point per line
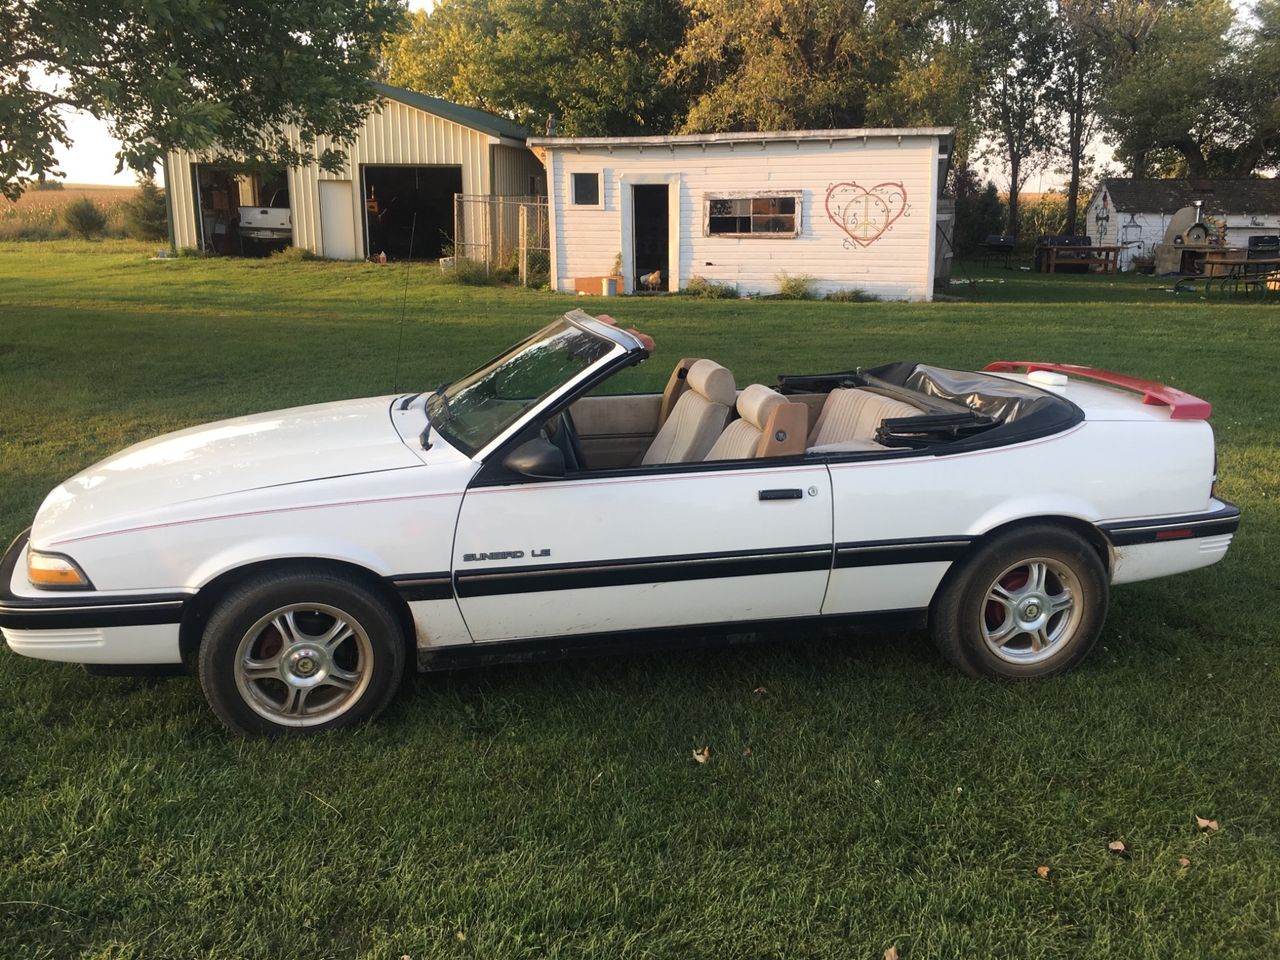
1182 405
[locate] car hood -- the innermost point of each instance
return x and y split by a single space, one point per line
230 456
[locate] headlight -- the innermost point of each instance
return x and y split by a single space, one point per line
54 571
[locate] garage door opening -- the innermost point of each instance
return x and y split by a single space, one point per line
224 195
409 210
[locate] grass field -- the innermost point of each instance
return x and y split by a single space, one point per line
555 811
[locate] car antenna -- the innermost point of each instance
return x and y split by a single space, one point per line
404 305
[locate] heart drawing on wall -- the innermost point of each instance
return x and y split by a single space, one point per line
865 213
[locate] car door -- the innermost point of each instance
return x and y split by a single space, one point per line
643 549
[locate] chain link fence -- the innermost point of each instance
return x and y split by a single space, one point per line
506 234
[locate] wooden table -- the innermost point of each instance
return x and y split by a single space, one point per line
1106 257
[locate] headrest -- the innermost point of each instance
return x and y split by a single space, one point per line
756 402
712 381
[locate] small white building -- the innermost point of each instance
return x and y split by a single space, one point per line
852 209
395 192
1135 213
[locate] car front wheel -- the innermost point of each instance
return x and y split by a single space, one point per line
1029 603
300 651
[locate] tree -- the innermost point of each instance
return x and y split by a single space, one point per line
1075 93
595 66
1194 90
84 218
146 216
813 64
230 76
1018 111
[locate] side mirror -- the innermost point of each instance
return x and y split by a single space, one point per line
538 457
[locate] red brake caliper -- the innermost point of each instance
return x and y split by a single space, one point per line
995 612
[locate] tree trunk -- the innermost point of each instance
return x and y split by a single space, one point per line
1015 172
1075 150
1197 166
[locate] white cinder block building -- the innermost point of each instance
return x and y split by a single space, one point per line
853 209
1135 213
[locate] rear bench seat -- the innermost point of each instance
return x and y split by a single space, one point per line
850 418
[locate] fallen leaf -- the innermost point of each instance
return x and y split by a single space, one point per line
1184 862
759 691
703 755
1043 872
1204 824
462 937
891 954
1117 846
746 751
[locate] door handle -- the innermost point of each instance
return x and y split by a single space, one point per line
784 493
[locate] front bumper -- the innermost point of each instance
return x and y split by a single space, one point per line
86 627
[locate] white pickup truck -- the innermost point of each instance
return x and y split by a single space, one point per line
270 224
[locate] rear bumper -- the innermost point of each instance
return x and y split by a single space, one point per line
87 627
1159 546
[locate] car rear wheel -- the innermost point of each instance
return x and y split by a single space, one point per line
1029 603
300 651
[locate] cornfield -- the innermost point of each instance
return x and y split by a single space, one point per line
37 214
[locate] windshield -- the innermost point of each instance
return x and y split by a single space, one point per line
473 411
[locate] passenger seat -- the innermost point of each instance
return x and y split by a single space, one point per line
698 417
768 426
850 418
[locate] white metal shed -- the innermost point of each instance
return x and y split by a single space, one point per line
852 209
395 189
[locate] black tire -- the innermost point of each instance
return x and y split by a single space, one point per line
987 601
242 646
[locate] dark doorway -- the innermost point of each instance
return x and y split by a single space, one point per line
652 245
409 210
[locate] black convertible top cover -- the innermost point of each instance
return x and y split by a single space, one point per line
1006 411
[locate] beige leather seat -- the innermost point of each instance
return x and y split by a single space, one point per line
850 418
767 426
698 417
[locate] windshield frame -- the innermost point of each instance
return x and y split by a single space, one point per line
622 346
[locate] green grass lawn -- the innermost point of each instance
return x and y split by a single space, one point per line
555 811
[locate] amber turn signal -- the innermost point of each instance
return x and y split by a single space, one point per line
49 570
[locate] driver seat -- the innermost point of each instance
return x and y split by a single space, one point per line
698 417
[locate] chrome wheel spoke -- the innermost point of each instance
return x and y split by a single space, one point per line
1003 633
1039 640
1036 575
261 669
1063 601
287 626
295 700
336 635
340 678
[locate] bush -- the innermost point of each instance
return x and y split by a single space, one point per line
705 289
851 296
146 217
84 218
794 286
190 252
469 273
293 255
46 185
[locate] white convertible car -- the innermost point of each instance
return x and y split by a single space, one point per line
299 558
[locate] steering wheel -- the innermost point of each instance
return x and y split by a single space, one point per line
561 431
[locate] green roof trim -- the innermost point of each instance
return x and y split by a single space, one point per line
488 123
